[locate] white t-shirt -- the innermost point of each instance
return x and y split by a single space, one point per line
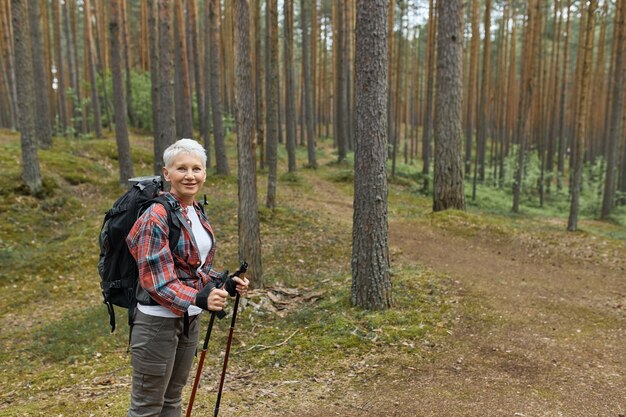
205 243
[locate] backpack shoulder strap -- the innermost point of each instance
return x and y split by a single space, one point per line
172 219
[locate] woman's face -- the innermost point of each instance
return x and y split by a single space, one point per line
186 174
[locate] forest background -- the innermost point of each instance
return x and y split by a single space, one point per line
542 131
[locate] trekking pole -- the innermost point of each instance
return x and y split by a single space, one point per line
242 268
205 346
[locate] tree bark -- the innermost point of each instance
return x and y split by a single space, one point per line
221 161
271 88
371 281
182 93
167 118
290 99
43 131
248 215
308 83
448 190
95 100
430 87
617 109
581 131
25 90
121 128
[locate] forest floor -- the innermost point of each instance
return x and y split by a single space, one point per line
541 331
496 315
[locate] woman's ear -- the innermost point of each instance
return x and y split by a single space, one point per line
166 174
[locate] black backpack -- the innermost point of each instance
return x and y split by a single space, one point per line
119 275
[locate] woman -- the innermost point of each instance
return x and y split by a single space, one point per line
163 338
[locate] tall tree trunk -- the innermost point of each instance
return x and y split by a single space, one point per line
42 121
25 90
167 120
221 161
562 145
290 99
192 18
60 65
9 75
206 49
182 94
271 83
448 187
371 281
126 55
430 86
481 138
75 100
340 116
526 96
617 110
95 100
259 73
308 83
248 214
581 130
471 92
121 128
153 28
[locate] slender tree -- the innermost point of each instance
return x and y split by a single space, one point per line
194 50
221 161
248 214
42 121
182 93
448 190
167 120
91 63
271 88
121 128
617 110
308 83
430 88
371 281
153 37
60 65
25 89
290 99
471 92
581 130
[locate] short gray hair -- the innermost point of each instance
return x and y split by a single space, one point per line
189 146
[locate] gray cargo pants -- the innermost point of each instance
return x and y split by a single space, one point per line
161 356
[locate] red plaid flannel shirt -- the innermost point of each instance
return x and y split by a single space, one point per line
171 278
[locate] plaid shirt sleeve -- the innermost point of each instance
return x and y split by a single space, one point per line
149 245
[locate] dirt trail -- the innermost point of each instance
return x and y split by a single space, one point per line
537 335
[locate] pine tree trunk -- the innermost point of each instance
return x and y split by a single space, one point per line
290 99
526 97
60 66
126 55
371 281
271 97
25 90
617 110
221 161
471 92
448 190
153 29
259 74
42 121
481 137
121 128
95 100
248 216
192 18
167 120
182 94
428 114
308 84
581 131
